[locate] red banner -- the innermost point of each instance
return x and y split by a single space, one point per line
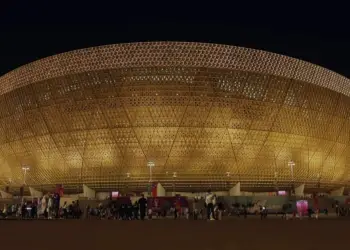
159 203
154 190
59 190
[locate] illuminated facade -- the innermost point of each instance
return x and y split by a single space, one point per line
212 114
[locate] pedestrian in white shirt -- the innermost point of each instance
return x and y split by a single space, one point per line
209 202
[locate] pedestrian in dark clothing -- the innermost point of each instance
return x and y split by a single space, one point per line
136 210
143 206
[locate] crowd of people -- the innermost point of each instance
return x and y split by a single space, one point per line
140 210
123 211
48 207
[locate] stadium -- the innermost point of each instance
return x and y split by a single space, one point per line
190 116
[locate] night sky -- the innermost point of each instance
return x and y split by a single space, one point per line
30 31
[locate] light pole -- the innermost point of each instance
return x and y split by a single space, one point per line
291 164
228 174
151 165
276 181
25 169
127 181
174 176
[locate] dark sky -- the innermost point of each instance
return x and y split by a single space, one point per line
30 30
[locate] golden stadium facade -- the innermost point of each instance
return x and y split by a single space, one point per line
211 115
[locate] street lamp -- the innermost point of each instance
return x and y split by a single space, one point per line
174 176
276 181
25 169
151 165
228 175
291 164
127 180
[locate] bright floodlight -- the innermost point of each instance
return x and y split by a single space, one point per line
150 164
25 169
291 163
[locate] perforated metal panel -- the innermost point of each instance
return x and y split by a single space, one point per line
201 110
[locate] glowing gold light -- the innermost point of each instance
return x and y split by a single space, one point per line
198 110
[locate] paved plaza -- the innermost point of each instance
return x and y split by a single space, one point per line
242 234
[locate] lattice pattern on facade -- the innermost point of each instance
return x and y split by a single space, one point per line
93 116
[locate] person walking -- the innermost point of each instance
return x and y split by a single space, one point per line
64 209
142 205
50 207
136 210
209 202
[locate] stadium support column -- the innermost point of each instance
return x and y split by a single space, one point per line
160 190
35 193
88 192
299 191
235 190
338 192
5 195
